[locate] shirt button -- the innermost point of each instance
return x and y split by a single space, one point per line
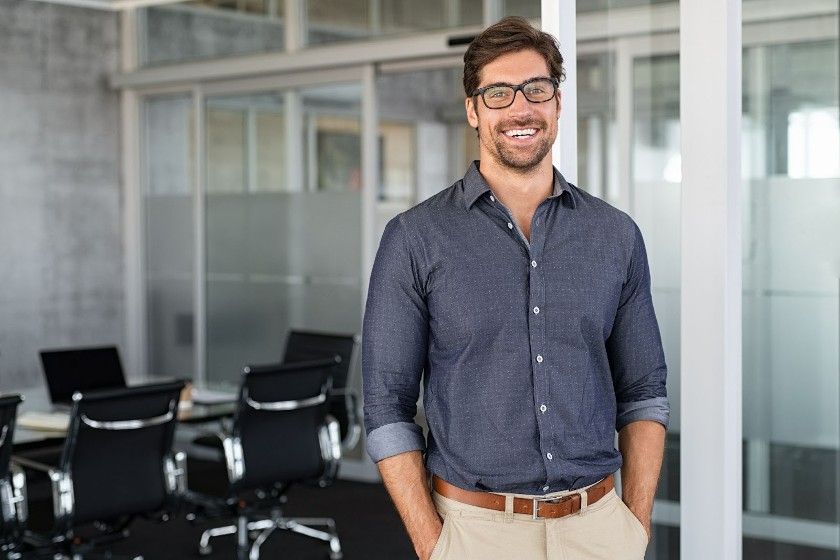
543 408
550 456
534 264
536 311
492 198
539 359
510 225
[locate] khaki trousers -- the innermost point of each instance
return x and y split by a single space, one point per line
606 530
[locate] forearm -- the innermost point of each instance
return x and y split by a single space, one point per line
642 445
406 480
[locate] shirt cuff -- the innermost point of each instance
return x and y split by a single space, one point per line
656 409
394 439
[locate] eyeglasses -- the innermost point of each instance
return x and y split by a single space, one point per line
535 91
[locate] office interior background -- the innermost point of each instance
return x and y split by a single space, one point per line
190 180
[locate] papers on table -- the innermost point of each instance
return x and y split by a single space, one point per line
47 421
211 396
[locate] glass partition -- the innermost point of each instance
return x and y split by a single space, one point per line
167 190
791 303
189 31
426 142
629 155
283 221
331 21
655 205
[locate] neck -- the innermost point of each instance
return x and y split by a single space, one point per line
520 191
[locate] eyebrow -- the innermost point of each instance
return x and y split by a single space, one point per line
531 79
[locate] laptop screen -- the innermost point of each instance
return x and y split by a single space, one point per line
81 369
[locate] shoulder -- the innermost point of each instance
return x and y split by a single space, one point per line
601 212
431 214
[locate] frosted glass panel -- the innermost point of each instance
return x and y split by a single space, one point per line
791 275
167 194
283 228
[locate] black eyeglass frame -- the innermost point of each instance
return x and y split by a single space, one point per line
521 87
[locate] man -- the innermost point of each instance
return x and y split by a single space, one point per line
524 305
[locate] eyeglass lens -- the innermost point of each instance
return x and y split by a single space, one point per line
537 91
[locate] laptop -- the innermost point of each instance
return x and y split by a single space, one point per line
80 369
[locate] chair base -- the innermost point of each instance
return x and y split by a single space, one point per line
250 550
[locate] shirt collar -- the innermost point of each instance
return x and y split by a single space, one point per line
475 186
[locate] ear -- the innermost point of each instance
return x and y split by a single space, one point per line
472 116
559 102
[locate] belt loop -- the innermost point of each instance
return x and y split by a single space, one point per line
508 518
584 501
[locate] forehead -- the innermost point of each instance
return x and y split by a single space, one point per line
514 68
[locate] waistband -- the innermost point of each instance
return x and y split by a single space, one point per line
538 508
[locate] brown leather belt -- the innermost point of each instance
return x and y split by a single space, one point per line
536 508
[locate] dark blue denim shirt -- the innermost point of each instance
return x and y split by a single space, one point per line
534 353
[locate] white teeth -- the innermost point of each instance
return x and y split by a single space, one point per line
522 132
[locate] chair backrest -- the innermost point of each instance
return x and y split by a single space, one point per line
10 525
117 450
8 414
280 428
68 370
302 346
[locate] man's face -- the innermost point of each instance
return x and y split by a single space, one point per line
518 137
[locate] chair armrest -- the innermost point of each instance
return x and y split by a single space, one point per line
13 491
26 463
62 487
220 435
175 467
354 428
330 441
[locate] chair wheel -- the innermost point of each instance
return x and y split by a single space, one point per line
205 550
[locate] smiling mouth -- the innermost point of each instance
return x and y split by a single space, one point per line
521 132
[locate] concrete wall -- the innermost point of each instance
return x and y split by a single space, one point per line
61 280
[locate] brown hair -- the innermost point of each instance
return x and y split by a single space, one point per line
511 34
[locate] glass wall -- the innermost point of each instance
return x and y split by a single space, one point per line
167 190
791 274
209 29
426 142
629 155
331 21
283 225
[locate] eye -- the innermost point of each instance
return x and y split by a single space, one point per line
538 87
497 93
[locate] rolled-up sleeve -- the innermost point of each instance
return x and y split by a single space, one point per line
394 346
634 347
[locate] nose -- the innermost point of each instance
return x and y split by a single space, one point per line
520 103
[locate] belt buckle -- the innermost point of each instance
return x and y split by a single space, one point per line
536 505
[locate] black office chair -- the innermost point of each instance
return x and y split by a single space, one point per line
344 402
13 510
281 435
117 463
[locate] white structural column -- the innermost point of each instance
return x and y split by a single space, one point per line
559 19
200 274
134 280
710 434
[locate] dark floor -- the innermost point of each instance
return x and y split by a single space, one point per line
367 523
368 526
